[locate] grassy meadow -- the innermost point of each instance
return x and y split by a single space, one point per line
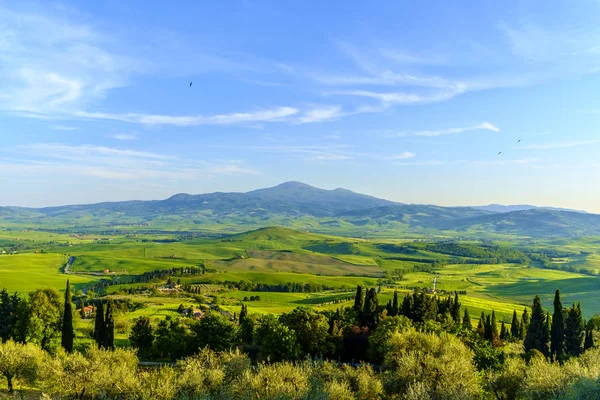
275 256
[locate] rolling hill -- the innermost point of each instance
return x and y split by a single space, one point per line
300 206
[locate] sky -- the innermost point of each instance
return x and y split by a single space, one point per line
408 101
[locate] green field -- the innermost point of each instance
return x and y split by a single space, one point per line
24 272
275 256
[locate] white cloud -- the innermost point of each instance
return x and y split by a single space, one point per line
323 113
114 163
50 63
269 115
403 156
402 98
65 128
441 132
124 136
58 150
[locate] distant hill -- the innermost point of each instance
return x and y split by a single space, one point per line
535 222
416 215
303 207
521 207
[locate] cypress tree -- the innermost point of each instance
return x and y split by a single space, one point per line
574 331
359 300
395 305
67 321
109 328
243 314
557 332
488 328
370 312
481 326
455 309
407 307
503 332
589 340
514 325
99 324
524 324
536 338
388 308
494 327
466 322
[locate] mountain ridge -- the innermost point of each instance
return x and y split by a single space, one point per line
298 205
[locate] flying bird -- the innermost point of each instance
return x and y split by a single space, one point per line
190 84
499 152
519 141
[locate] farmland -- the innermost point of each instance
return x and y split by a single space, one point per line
502 276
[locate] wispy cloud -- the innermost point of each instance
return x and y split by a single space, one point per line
115 163
403 156
562 145
319 114
65 128
269 115
124 136
487 126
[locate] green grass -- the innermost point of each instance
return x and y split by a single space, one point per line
279 255
25 272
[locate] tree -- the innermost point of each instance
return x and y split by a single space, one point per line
434 366
536 338
524 324
371 309
109 328
99 324
481 326
395 305
466 322
277 342
43 317
310 328
589 340
455 309
487 335
574 331
503 332
557 332
142 335
19 361
67 321
8 312
494 328
378 340
359 300
407 305
215 331
171 339
514 326
246 326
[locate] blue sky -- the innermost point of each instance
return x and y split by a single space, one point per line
410 101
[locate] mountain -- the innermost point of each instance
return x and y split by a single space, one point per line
416 215
521 207
537 222
302 207
290 200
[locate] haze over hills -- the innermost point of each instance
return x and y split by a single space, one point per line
521 207
301 206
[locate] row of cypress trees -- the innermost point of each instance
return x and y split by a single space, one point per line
565 330
104 327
